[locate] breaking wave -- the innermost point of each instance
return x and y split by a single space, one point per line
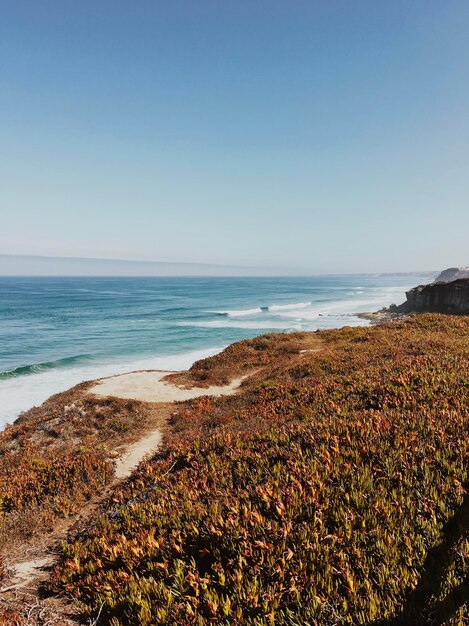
240 313
36 368
262 309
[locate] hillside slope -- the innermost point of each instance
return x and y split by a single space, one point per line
319 496
332 489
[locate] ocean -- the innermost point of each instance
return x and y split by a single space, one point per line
56 332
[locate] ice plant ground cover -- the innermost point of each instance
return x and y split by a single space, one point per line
332 490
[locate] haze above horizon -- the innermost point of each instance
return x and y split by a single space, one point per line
43 266
326 137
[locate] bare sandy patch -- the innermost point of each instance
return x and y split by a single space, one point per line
149 387
28 571
136 453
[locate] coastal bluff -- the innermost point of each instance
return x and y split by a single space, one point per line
250 505
438 297
452 273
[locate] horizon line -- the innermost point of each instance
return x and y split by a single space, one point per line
264 272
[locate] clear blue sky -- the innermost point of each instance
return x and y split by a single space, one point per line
329 136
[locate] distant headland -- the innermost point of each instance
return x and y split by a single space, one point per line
448 294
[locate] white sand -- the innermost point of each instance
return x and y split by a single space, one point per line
148 387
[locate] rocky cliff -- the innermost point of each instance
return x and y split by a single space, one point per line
452 273
442 297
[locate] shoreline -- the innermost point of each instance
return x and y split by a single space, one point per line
186 359
382 316
88 375
42 386
102 322
65 379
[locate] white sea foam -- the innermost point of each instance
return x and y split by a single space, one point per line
287 307
262 324
239 313
306 314
371 300
22 393
259 310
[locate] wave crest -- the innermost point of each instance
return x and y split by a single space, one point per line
35 368
263 309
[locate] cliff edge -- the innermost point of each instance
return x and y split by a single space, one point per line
439 297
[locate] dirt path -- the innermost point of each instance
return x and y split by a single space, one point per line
135 453
159 390
148 386
145 386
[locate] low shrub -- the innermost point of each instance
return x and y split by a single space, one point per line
335 494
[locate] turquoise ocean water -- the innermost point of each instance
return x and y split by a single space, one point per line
57 332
